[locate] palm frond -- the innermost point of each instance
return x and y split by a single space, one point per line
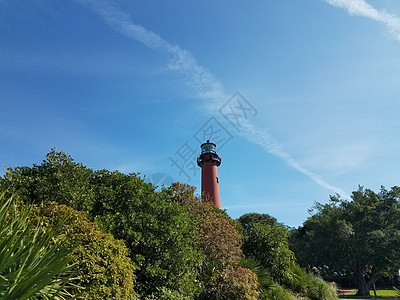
30 264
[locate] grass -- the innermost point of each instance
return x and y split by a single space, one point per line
381 294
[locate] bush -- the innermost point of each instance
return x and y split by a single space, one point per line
167 294
232 282
217 234
219 239
310 286
31 267
102 269
268 289
278 292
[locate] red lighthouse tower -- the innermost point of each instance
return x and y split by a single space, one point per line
208 161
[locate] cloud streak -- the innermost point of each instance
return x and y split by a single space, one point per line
362 8
267 142
200 79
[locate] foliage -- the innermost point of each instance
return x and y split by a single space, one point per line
159 234
358 238
268 289
30 266
278 292
218 237
57 179
102 269
232 282
266 241
311 286
167 294
217 233
266 247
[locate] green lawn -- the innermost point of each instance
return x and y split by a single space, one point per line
382 294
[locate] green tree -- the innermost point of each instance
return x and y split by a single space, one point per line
266 240
58 178
222 277
217 234
31 267
358 238
266 248
159 234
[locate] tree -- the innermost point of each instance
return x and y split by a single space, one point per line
266 248
58 178
358 238
266 240
160 234
217 234
218 237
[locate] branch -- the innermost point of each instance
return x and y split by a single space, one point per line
374 277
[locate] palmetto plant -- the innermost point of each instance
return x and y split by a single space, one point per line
31 265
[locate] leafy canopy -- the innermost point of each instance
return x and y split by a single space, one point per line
266 240
358 238
160 234
222 276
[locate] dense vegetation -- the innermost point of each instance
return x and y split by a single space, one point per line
102 269
30 266
120 238
358 239
266 248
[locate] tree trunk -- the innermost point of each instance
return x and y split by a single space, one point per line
363 285
363 288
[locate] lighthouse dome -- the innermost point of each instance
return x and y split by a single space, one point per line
208 147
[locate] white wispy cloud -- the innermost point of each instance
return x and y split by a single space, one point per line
267 142
199 78
362 8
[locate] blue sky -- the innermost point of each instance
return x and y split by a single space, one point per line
301 97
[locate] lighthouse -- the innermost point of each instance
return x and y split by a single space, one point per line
208 161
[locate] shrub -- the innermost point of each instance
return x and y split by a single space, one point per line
278 292
219 239
30 266
310 286
167 294
217 234
232 282
101 265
